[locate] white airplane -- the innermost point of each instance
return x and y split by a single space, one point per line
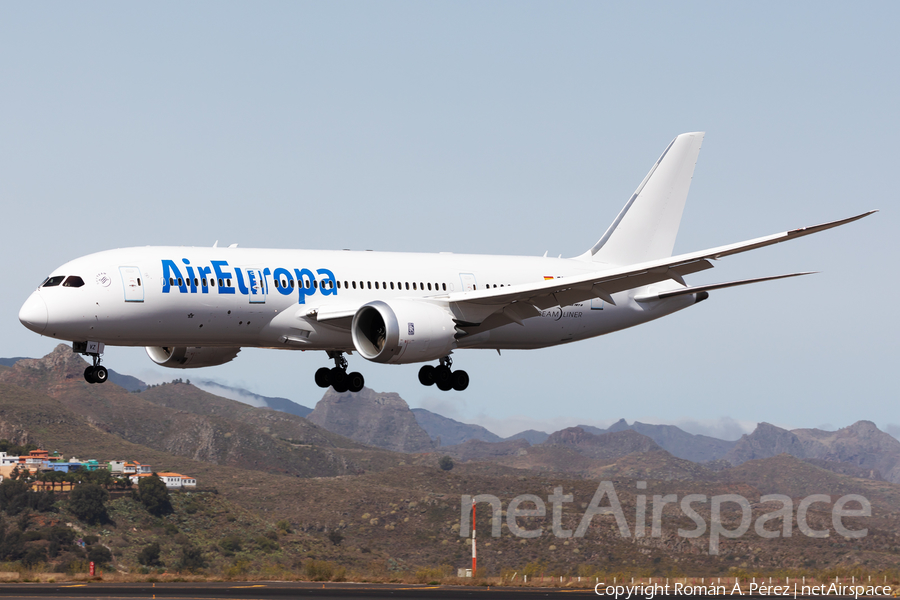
197 307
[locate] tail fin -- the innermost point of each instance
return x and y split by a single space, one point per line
646 228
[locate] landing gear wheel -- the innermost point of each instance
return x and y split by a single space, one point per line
323 377
443 378
355 381
460 380
338 379
89 374
426 375
100 374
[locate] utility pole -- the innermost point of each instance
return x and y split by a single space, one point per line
473 537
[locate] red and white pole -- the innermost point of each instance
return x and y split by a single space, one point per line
473 537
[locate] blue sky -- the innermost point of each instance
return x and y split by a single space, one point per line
512 128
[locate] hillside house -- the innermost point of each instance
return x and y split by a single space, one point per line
36 459
65 467
129 467
173 481
6 459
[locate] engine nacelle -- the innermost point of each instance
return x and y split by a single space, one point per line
190 358
402 332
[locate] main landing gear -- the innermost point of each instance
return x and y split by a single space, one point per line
337 377
96 373
443 377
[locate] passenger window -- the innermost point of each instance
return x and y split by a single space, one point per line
228 281
196 282
429 287
370 285
180 282
444 285
54 281
76 281
414 285
171 281
316 283
204 282
421 286
376 285
392 285
354 285
220 283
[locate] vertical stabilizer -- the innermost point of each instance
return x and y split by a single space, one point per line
646 227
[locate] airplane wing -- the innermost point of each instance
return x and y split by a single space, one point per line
519 302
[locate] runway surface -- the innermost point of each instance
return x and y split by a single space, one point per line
263 591
278 590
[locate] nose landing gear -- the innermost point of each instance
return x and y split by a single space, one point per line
443 377
337 377
95 373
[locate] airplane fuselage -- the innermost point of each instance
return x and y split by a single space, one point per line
178 296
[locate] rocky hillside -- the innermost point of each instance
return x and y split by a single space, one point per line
381 420
449 432
861 445
604 447
676 441
390 512
182 420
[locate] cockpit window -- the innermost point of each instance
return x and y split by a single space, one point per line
53 281
73 281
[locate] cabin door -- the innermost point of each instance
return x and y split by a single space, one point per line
468 282
131 281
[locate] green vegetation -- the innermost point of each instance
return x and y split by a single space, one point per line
15 497
154 495
88 502
149 555
15 449
445 463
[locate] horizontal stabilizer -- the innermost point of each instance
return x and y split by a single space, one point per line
713 286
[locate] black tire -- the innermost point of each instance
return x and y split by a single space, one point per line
89 375
426 375
460 380
100 374
338 378
443 378
323 377
355 381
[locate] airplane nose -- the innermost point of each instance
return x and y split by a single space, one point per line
33 313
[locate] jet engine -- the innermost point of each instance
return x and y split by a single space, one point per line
190 357
403 332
